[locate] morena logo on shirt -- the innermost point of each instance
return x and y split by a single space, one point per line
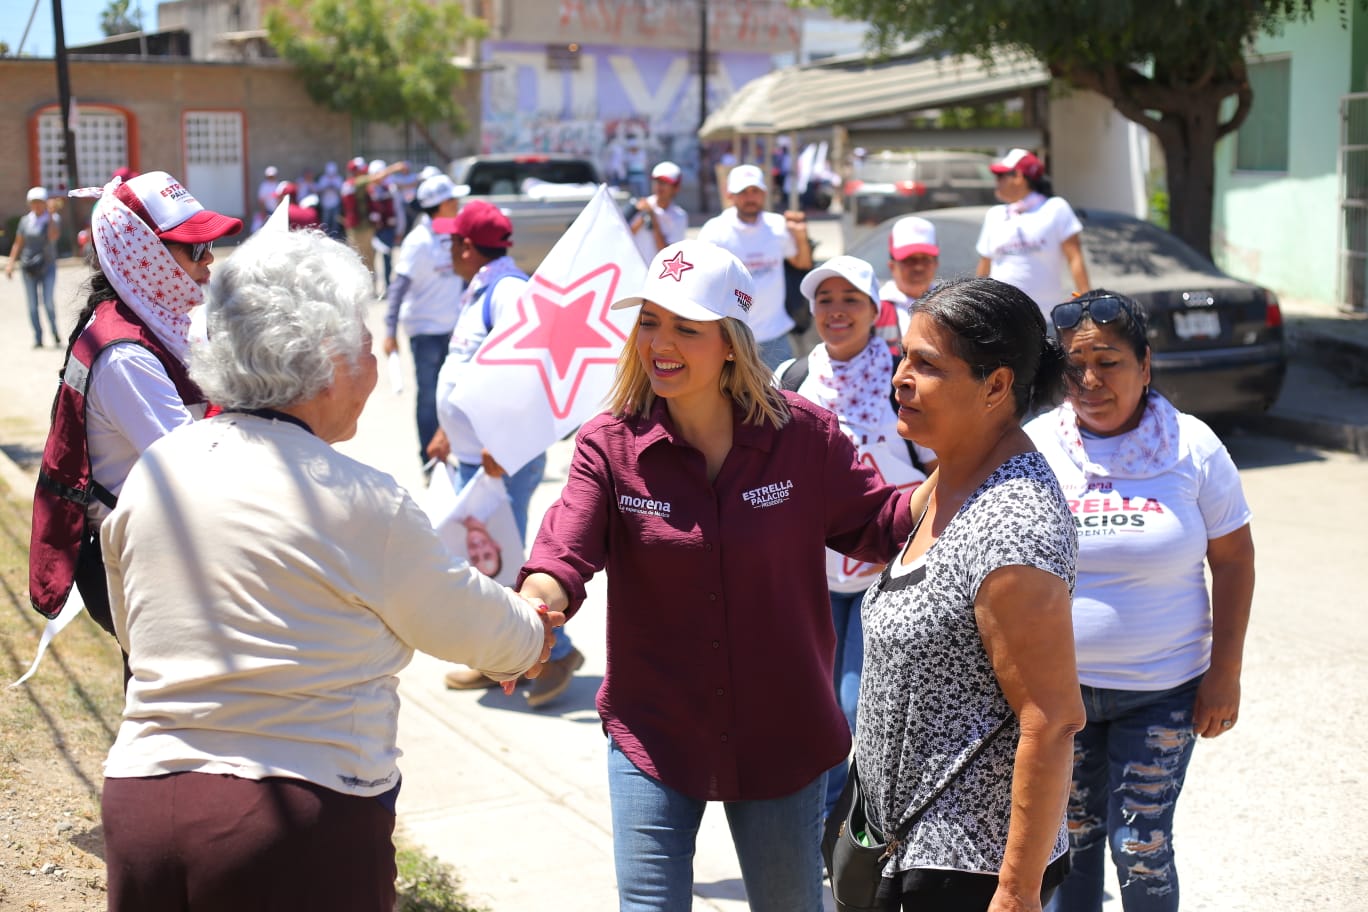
770 495
643 506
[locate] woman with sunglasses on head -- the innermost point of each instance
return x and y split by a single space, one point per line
1034 236
125 383
1155 496
969 700
710 497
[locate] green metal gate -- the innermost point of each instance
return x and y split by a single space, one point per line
1352 286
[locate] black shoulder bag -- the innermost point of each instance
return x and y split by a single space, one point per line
856 853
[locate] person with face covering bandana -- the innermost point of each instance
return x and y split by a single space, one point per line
124 382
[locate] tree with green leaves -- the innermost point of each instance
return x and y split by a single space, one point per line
119 18
388 61
1168 65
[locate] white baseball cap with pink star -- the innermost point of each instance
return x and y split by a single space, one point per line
697 281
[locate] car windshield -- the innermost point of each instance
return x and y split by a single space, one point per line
495 177
887 171
1116 245
955 235
1113 245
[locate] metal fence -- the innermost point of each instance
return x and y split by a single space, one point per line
1352 285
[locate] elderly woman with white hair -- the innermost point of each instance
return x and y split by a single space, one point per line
268 590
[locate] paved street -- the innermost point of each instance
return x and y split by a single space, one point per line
1275 816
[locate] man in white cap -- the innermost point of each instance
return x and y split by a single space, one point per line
425 297
913 257
659 220
266 196
763 241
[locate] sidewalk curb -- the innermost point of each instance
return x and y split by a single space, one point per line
1326 435
1345 356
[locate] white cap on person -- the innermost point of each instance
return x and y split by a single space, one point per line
666 171
744 176
853 269
697 281
37 195
437 190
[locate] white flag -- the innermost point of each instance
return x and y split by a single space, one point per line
279 220
548 363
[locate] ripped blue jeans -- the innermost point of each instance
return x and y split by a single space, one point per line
1129 764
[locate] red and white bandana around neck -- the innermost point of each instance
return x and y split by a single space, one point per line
148 279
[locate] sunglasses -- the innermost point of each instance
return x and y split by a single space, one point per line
1099 310
197 251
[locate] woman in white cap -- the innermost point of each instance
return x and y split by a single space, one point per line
710 496
124 378
850 372
35 250
1033 238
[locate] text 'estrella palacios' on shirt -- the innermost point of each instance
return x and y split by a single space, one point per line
769 495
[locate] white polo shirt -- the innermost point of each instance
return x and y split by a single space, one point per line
763 246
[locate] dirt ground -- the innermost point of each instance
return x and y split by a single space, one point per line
56 730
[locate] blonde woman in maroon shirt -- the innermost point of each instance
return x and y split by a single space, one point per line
710 498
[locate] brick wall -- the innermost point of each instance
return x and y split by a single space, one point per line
282 124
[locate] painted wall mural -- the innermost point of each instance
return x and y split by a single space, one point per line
625 108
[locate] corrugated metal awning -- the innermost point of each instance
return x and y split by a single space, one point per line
852 89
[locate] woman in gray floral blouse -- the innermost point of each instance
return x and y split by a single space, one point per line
969 664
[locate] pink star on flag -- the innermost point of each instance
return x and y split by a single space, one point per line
563 325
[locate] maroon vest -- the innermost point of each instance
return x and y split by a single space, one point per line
65 487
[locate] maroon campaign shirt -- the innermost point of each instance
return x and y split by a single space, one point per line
720 643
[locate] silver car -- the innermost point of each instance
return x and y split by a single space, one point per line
1217 341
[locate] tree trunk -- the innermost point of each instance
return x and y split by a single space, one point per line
423 131
1188 137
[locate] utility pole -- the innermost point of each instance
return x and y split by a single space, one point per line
704 164
64 95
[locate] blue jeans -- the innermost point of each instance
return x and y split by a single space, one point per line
776 351
845 615
655 830
521 484
32 284
1129 764
386 236
429 351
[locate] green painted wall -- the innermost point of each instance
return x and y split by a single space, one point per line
1281 229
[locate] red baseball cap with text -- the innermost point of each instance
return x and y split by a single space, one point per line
1019 160
171 212
479 222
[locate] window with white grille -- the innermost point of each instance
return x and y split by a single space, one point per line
101 145
213 138
215 160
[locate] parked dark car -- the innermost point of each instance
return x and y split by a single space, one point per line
1217 341
888 184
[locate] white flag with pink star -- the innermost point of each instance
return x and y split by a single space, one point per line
548 363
